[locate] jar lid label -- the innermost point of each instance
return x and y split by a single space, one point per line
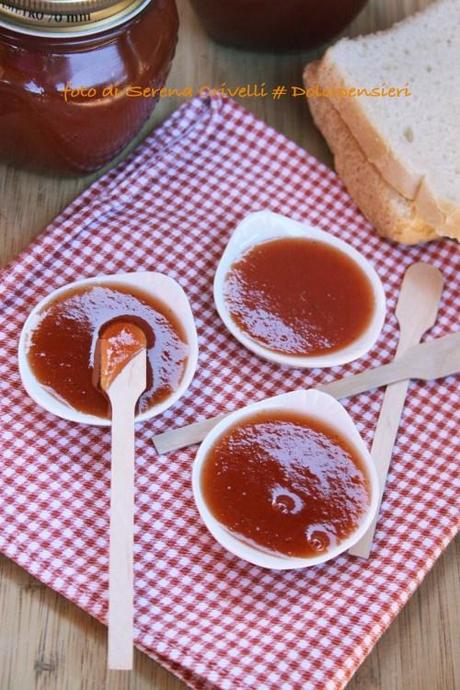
57 17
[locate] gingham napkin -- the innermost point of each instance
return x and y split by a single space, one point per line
215 621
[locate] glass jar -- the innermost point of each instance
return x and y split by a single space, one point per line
275 25
79 79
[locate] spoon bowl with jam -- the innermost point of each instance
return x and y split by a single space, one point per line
297 295
286 483
58 345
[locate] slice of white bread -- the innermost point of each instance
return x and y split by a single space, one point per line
392 215
414 141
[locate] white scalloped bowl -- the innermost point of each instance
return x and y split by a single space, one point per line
263 226
314 404
159 286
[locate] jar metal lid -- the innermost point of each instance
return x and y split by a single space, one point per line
55 18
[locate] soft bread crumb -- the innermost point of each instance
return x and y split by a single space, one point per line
393 216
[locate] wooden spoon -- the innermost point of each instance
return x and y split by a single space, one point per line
416 312
437 358
123 377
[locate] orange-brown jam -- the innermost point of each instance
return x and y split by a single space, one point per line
287 483
63 344
299 296
119 343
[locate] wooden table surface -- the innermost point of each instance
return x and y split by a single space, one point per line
46 643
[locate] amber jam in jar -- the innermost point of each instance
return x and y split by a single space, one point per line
275 24
71 75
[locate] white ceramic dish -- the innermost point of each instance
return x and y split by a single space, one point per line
263 226
157 285
314 404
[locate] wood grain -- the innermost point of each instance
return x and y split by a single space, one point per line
123 392
427 361
46 643
416 312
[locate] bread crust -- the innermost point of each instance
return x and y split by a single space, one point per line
394 171
393 216
445 216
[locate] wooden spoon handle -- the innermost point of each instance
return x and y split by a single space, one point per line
416 311
123 394
438 358
121 592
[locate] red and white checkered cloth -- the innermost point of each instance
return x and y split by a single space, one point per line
215 621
